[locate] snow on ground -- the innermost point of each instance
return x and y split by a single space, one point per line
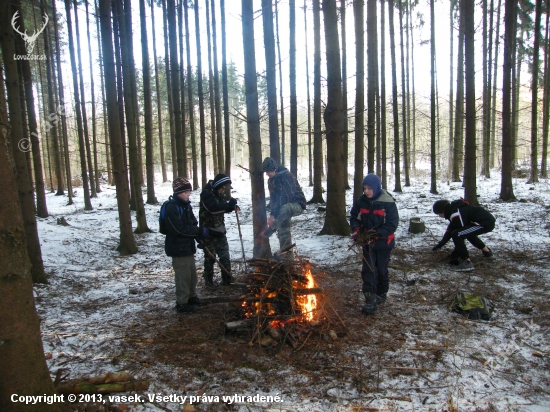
101 312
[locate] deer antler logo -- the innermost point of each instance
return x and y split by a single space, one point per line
29 40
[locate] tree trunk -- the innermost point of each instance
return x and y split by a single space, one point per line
182 90
317 135
175 87
227 137
293 98
201 96
52 124
213 135
62 103
383 132
344 89
83 104
506 187
433 153
217 98
545 104
191 104
309 141
159 103
372 68
16 122
169 92
270 74
452 4
410 148
259 218
127 243
147 107
41 207
394 99
534 177
81 147
94 119
130 109
358 14
458 145
495 77
22 361
281 86
335 220
404 101
487 48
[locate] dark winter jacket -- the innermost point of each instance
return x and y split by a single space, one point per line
379 214
460 214
182 230
213 208
284 188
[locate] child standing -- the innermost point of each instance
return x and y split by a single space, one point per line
465 222
375 215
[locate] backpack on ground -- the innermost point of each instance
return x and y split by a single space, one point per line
162 225
472 306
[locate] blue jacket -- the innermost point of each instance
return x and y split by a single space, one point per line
379 214
284 188
182 230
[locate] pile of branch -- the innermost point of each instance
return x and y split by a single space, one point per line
271 304
106 383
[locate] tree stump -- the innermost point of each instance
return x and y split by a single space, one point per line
416 225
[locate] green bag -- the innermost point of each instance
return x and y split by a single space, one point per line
472 306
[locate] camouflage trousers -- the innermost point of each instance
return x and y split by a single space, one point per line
282 223
218 246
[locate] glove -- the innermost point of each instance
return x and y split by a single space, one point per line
355 234
203 233
200 245
436 247
232 202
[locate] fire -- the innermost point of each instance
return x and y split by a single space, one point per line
308 303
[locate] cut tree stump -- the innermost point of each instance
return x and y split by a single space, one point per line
416 225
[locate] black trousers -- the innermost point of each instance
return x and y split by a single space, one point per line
375 270
470 233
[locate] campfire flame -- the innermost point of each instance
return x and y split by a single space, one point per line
308 303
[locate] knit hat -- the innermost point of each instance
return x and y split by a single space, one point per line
374 183
220 180
269 165
440 205
180 185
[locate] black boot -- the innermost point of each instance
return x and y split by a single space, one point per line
370 303
268 232
227 280
186 308
209 281
194 301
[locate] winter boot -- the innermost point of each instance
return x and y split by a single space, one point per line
186 308
227 280
268 232
370 305
194 301
381 298
209 281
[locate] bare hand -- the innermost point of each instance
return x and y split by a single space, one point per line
270 220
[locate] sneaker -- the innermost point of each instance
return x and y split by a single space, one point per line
381 298
370 304
464 266
186 308
487 254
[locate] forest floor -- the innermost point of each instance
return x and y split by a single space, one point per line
104 313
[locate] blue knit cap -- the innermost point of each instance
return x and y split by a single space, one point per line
374 183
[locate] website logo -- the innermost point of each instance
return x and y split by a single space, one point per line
29 40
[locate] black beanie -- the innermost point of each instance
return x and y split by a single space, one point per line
220 180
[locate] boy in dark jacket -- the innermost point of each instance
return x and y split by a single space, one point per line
211 215
374 219
287 200
465 222
182 230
